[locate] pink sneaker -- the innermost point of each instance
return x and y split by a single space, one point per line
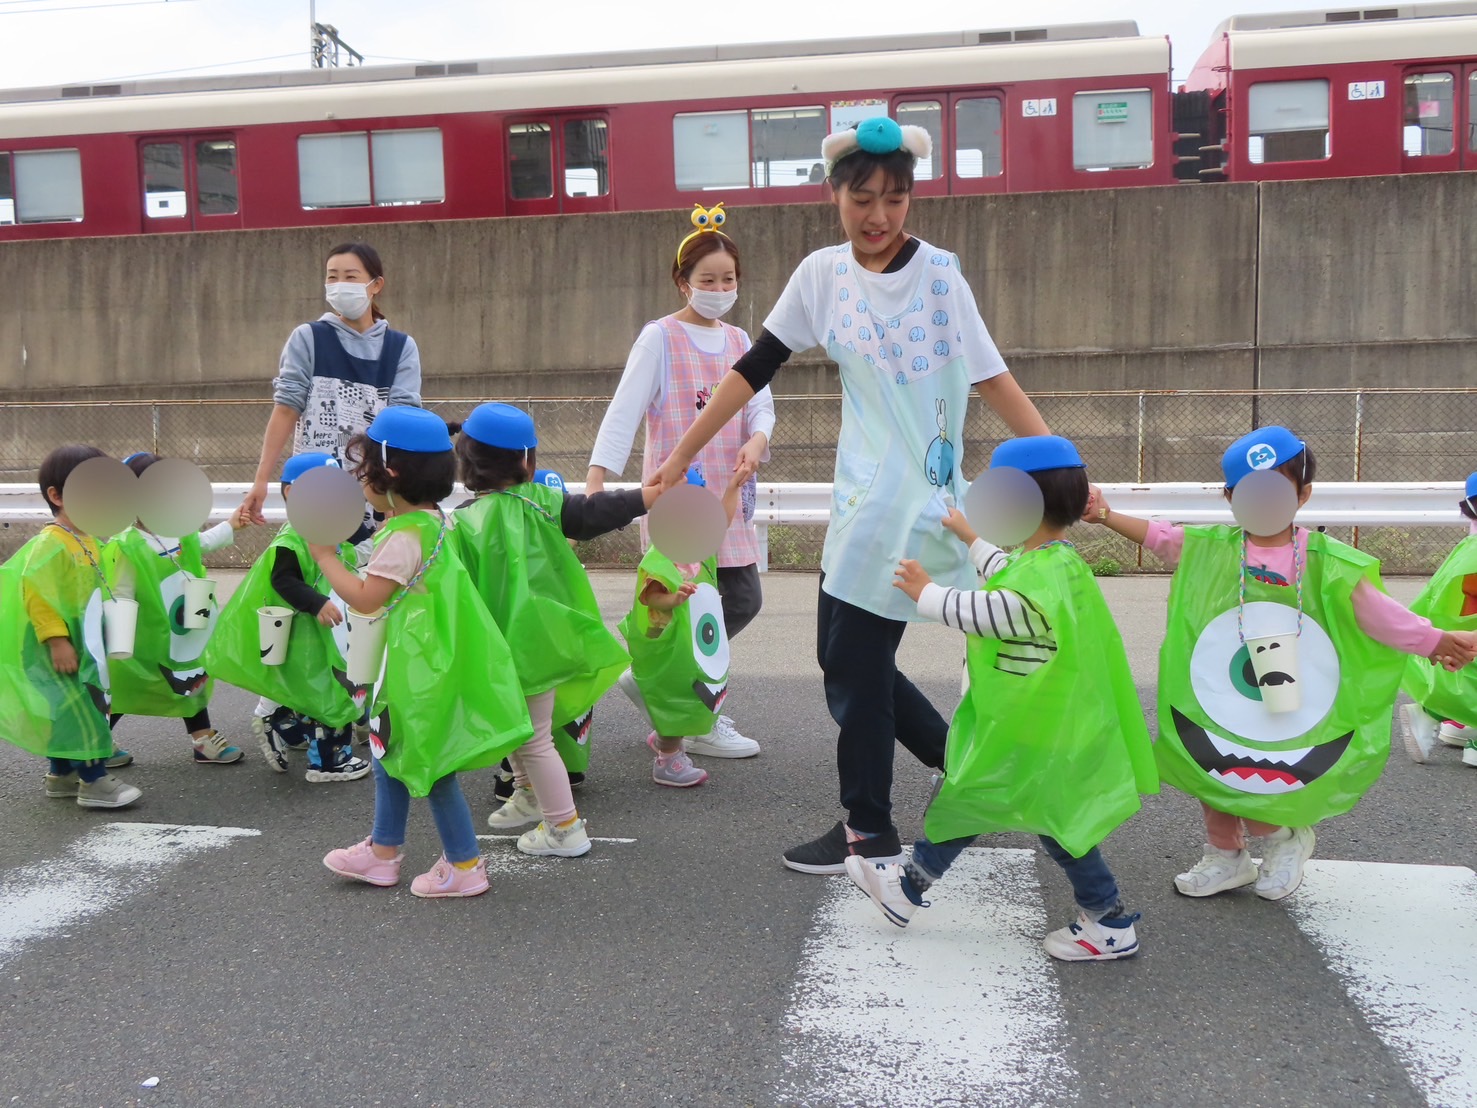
444 879
361 864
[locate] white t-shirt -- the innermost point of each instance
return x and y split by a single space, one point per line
801 318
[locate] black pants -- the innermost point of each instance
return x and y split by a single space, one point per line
738 586
200 721
874 705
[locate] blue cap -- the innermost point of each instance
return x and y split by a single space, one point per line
1264 448
135 454
412 429
548 477
695 477
299 464
501 425
1472 486
1033 453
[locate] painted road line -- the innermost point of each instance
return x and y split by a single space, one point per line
962 1004
1403 940
100 871
515 838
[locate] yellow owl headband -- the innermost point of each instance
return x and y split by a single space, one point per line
707 221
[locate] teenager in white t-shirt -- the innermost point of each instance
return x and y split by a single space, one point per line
900 321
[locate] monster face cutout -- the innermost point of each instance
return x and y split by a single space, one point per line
709 646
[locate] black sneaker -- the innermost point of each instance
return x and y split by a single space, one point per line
502 783
828 853
345 768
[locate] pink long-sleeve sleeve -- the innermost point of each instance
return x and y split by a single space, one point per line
1386 620
1166 541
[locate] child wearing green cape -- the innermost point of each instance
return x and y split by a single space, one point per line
165 677
448 698
1279 669
1449 600
1040 636
513 539
53 666
308 690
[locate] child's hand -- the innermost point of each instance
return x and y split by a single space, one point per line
911 578
329 615
241 519
1455 650
657 597
1097 505
63 655
319 553
955 523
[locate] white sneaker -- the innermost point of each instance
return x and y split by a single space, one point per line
1282 863
724 741
1453 733
558 842
1215 873
1419 732
884 884
520 810
1089 941
1469 755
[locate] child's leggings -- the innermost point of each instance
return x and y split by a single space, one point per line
1227 832
537 764
1093 885
448 808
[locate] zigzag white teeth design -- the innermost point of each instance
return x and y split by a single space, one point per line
1255 784
1284 758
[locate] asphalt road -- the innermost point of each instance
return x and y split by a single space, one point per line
656 971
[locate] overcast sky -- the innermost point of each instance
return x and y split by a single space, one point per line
50 42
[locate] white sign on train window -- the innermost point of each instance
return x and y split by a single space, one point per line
848 113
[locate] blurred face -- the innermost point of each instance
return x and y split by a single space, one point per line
348 268
716 272
872 218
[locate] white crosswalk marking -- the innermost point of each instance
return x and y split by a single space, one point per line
964 999
1403 939
101 870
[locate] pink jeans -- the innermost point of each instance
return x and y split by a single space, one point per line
1229 832
537 764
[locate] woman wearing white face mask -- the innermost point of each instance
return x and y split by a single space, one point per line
339 371
669 378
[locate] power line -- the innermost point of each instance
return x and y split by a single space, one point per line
97 7
194 68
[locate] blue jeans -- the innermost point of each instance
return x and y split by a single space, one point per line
1093 885
87 771
448 807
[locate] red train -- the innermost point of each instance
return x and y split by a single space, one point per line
1309 94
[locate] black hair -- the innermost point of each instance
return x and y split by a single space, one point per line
486 468
1300 470
140 462
856 169
418 478
1063 495
1466 507
57 466
369 258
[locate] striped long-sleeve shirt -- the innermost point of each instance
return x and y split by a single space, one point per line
1025 634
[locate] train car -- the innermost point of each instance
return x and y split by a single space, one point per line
1023 110
1336 93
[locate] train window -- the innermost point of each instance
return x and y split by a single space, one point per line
165 196
1430 116
531 160
47 186
333 170
978 149
215 177
7 192
586 158
408 167
1113 129
929 115
1287 121
786 142
711 150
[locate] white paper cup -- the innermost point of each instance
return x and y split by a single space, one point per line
199 599
1274 660
366 645
120 621
274 628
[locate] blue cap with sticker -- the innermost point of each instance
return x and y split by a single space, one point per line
299 464
695 477
501 425
1034 453
411 429
548 477
1264 448
1472 486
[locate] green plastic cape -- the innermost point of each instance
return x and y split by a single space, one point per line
312 681
1443 694
572 741
540 596
1062 751
448 699
42 711
682 672
165 676
1217 740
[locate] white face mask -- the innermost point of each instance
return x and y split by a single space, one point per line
349 299
712 305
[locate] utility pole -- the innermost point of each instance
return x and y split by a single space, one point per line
325 47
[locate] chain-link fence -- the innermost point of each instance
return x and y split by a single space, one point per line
1355 434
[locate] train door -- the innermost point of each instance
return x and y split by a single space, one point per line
976 161
559 163
1437 124
189 183
929 111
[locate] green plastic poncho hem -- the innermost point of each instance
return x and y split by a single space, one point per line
1439 692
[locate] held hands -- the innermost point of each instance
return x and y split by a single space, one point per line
63 655
1097 506
911 578
956 524
752 453
1455 650
671 472
241 518
251 505
329 615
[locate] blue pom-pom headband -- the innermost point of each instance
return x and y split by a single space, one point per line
879 135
